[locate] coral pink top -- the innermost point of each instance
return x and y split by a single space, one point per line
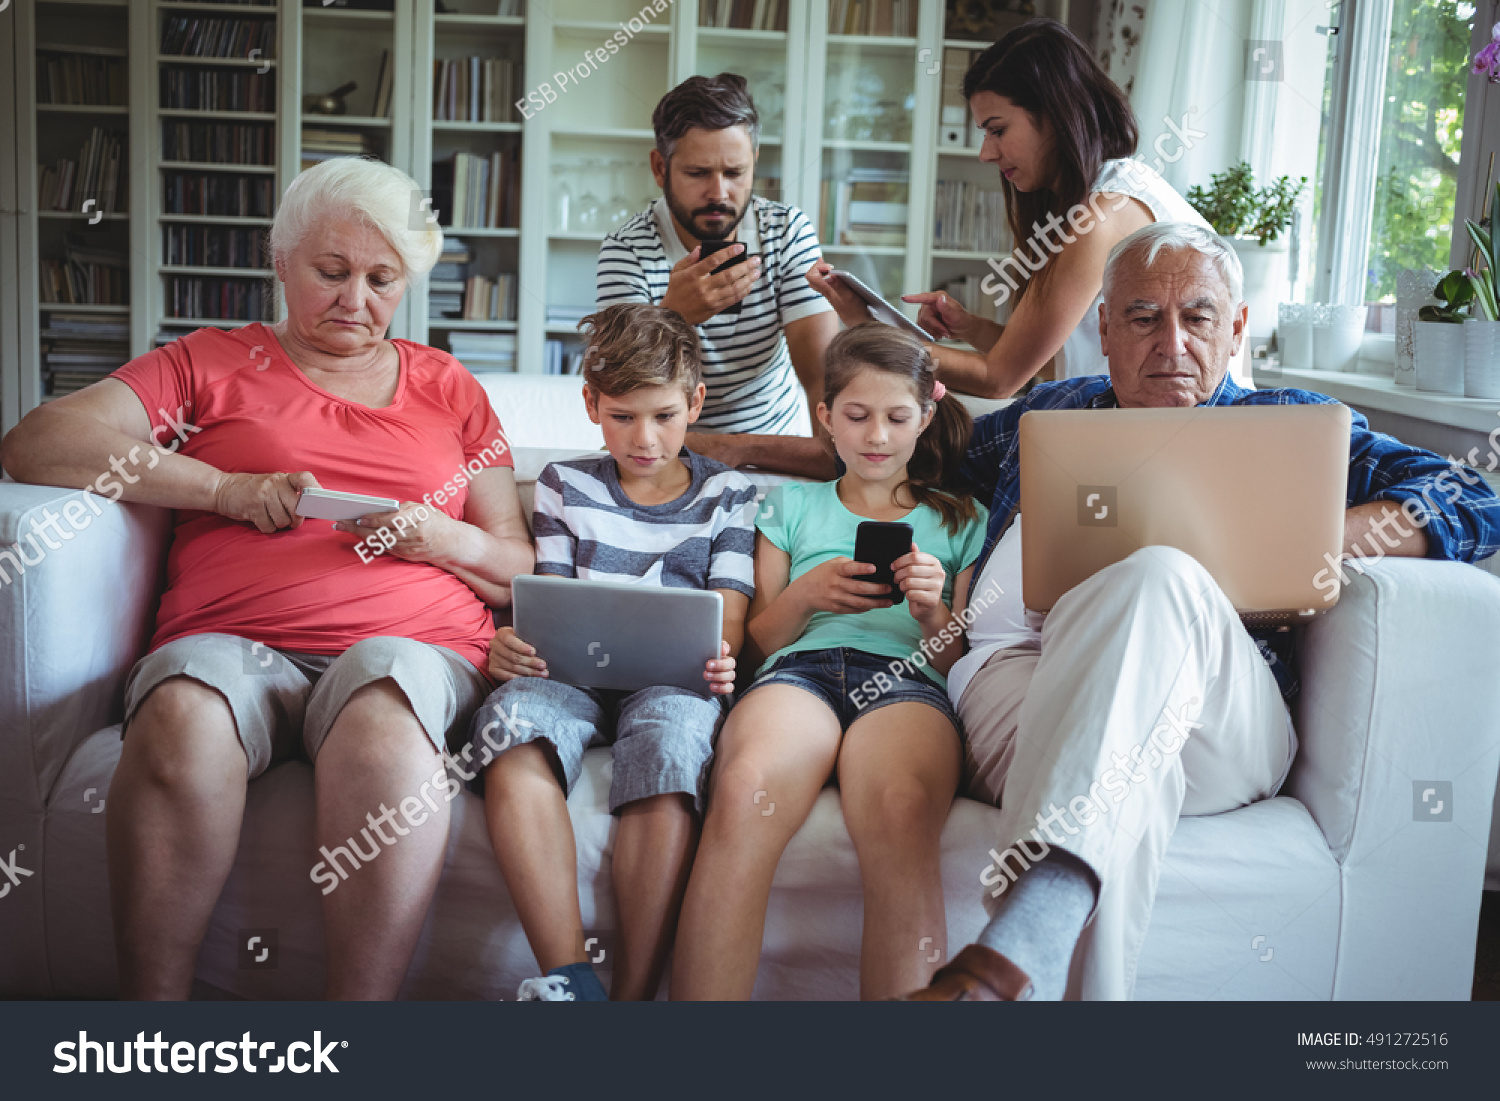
244 407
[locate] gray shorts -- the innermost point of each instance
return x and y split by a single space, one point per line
274 695
663 738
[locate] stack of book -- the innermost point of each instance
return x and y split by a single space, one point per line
474 191
484 351
744 15
80 78
567 315
473 89
80 349
380 105
221 194
184 89
94 175
560 360
212 298
877 17
446 281
969 217
218 142
86 275
213 247
487 299
869 206
191 36
322 144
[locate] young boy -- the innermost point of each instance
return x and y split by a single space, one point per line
653 513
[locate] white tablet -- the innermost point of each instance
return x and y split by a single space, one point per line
604 634
883 311
329 504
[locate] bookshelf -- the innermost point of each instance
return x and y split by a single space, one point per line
862 107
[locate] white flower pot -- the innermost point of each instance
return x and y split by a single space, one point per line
1482 359
1440 357
1268 283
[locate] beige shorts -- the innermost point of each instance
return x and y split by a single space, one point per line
275 695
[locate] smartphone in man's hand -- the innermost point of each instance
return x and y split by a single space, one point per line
880 543
708 248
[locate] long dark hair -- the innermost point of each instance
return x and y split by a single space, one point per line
934 464
1044 69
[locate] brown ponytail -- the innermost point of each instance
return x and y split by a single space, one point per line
940 449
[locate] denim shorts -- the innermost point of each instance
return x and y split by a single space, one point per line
663 737
853 683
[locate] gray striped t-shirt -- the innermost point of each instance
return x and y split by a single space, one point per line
752 386
586 527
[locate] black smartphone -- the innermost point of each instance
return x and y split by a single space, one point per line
708 248
881 542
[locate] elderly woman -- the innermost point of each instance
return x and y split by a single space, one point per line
273 626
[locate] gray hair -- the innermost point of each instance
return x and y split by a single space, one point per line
371 191
708 103
1149 242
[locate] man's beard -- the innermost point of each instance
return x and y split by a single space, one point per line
688 219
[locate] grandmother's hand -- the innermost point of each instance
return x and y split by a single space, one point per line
422 533
269 501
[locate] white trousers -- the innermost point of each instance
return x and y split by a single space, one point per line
1147 700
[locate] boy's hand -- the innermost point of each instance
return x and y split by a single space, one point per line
511 658
835 586
719 672
920 576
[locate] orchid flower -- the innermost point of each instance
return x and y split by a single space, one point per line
1487 60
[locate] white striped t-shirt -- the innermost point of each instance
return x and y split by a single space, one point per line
586 527
752 386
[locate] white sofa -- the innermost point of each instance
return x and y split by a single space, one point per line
1336 889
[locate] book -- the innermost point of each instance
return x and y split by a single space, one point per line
380 101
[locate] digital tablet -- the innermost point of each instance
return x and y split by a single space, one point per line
329 504
883 311
605 634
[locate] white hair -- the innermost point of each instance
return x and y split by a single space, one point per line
382 197
1149 242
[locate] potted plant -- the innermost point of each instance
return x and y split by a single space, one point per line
1253 221
1438 346
1481 375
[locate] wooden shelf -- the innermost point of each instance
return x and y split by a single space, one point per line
204 322
238 273
236 9
214 219
868 250
267 63
215 166
736 36
867 146
208 116
82 109
80 216
478 127
362 122
463 21
88 308
472 231
471 326
98 51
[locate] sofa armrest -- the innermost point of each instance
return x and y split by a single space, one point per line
79 581
1399 696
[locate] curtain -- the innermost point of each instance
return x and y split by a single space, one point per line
1117 39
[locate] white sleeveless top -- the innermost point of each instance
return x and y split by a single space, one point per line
1126 176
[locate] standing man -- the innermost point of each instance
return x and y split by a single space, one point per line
707 143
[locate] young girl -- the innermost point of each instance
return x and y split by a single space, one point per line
833 699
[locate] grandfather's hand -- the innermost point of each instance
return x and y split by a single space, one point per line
269 501
414 532
694 291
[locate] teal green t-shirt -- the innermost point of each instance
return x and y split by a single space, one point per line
810 523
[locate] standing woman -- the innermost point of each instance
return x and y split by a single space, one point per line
1062 135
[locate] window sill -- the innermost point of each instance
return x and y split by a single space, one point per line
1379 392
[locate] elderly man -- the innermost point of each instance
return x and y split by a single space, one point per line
1141 682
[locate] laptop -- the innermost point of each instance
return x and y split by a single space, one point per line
605 634
1254 493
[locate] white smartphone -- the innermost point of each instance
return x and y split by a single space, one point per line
883 311
328 504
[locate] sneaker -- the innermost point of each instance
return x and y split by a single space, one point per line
548 988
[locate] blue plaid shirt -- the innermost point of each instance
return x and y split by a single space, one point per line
1464 528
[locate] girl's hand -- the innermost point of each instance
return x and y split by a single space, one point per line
941 315
719 672
921 576
422 533
849 306
511 658
835 586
